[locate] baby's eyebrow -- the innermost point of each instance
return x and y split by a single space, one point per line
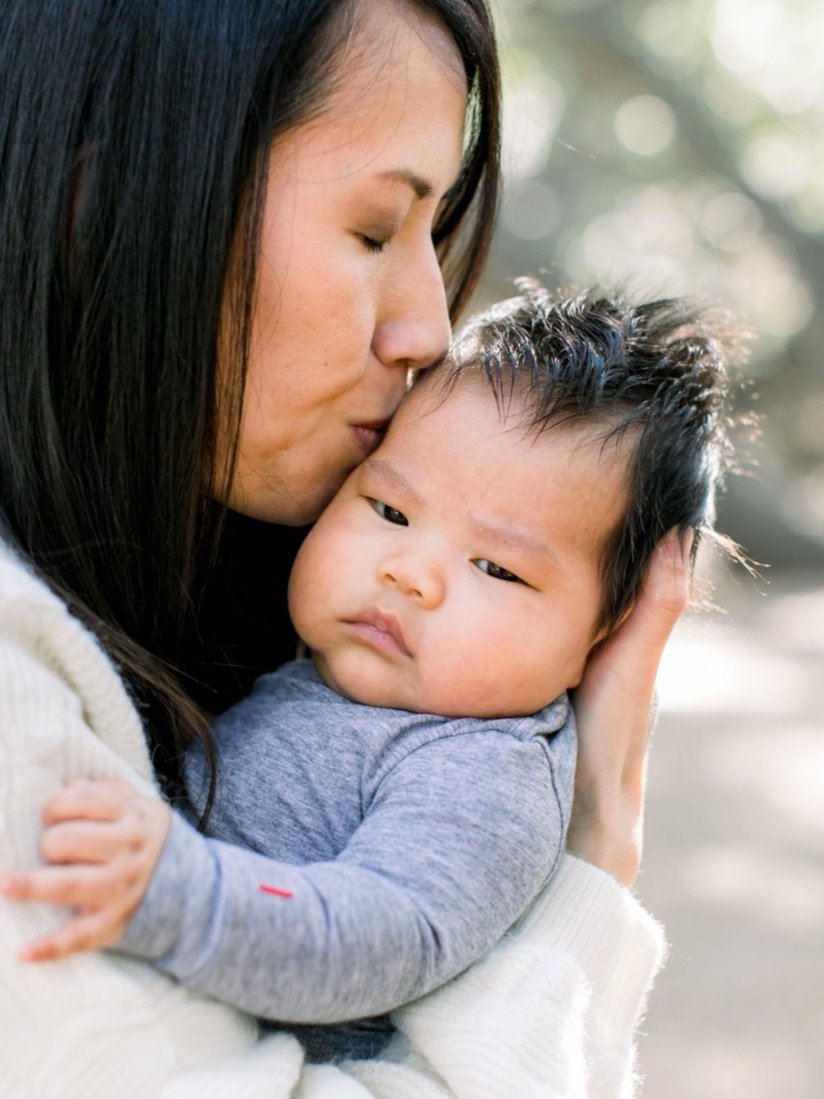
514 538
503 534
387 472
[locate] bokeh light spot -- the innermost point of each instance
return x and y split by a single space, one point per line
645 125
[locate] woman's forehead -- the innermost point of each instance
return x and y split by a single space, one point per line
385 36
397 105
438 41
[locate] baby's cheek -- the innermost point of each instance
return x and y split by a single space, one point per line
309 584
462 682
302 609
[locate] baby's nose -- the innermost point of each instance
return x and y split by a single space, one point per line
416 578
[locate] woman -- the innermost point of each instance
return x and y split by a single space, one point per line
230 228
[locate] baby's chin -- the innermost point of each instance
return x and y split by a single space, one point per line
368 690
358 685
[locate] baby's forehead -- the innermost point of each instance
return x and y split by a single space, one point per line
444 387
518 409
508 451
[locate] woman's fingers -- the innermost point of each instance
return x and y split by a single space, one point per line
613 706
621 671
663 598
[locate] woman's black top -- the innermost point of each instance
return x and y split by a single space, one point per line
243 619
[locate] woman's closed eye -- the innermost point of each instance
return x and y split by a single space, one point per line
373 244
376 237
390 514
496 571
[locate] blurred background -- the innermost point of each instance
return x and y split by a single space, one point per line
677 146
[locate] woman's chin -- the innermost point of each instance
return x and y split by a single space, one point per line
275 504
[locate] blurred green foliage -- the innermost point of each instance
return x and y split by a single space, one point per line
677 146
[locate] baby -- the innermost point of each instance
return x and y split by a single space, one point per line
387 809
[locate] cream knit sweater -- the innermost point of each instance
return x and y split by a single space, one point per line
550 1013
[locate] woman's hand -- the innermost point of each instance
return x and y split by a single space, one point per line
101 840
614 712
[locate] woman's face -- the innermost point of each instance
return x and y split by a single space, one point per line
350 294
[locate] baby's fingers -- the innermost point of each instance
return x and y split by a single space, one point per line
89 799
81 841
85 932
74 887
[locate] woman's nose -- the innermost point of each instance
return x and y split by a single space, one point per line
416 577
414 329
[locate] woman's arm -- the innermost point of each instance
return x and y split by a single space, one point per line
65 713
551 1012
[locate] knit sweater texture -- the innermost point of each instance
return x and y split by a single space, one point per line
550 1012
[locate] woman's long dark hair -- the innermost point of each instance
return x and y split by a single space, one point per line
133 143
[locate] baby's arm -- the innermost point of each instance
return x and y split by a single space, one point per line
459 838
438 870
102 840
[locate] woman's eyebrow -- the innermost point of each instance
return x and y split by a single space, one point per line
422 187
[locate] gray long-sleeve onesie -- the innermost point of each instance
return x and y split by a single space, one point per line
407 844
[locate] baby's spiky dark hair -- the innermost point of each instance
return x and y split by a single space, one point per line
655 372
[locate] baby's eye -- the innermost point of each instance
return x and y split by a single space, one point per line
390 514
495 571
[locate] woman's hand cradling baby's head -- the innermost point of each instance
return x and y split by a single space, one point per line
100 842
614 712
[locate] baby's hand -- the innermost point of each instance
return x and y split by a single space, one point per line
101 840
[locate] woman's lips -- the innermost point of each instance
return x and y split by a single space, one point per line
369 435
379 630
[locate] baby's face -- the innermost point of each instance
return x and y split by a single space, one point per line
457 570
